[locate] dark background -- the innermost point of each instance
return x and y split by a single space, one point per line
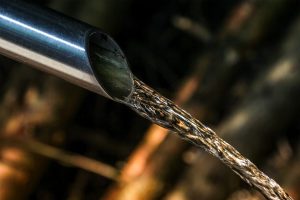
244 58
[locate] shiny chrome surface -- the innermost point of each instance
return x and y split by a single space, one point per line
51 42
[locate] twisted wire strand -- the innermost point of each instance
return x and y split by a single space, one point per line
160 110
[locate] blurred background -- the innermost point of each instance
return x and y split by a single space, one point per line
234 64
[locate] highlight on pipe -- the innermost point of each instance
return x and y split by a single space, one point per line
110 66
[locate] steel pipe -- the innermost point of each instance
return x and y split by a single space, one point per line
64 47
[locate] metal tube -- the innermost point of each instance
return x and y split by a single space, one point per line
64 47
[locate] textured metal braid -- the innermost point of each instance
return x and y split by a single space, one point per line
160 110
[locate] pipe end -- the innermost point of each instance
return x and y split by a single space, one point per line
110 66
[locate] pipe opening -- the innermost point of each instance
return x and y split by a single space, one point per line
110 66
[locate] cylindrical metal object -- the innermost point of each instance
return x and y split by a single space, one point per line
64 47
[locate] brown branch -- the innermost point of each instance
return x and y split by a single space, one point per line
71 159
25 105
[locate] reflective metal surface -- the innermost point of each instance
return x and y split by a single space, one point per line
52 42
